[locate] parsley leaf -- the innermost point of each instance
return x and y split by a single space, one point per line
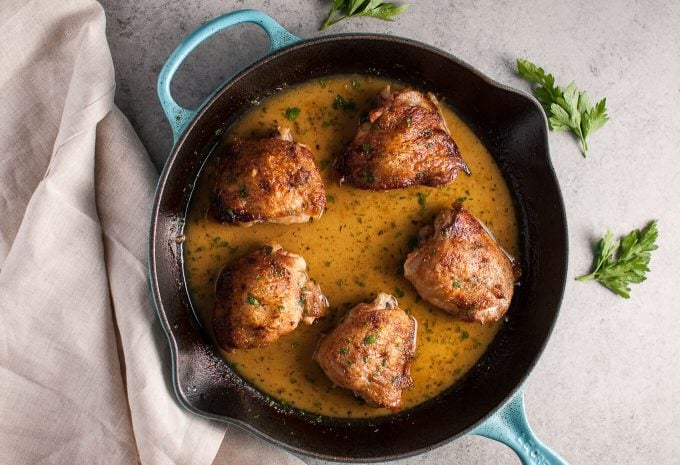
422 199
252 300
368 177
291 114
355 8
341 104
630 263
568 110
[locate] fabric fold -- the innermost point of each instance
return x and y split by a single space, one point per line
125 190
76 188
84 364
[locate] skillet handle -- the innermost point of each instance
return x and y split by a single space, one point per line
509 425
180 117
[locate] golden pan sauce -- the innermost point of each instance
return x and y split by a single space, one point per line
355 251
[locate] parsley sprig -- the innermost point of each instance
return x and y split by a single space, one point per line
355 8
631 262
567 110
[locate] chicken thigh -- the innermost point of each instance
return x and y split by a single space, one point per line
371 352
262 297
270 180
404 142
460 268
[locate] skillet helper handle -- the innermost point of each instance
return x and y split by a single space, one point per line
509 425
178 116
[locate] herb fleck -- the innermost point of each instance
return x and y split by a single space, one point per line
292 113
218 242
421 201
368 177
370 339
341 104
243 192
252 300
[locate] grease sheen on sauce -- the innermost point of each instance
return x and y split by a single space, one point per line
355 251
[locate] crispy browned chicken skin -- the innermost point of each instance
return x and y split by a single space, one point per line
371 352
262 297
404 142
460 268
270 180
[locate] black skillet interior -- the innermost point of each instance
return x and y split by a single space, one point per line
513 128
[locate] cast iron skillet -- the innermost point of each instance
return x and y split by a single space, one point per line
488 401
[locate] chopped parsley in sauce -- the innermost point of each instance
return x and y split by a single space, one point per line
292 113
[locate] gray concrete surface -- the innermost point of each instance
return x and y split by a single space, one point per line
607 388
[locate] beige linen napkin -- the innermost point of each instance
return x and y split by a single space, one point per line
84 369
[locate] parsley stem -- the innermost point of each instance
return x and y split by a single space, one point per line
329 20
328 23
586 277
584 146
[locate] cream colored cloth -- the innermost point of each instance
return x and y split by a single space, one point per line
84 369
